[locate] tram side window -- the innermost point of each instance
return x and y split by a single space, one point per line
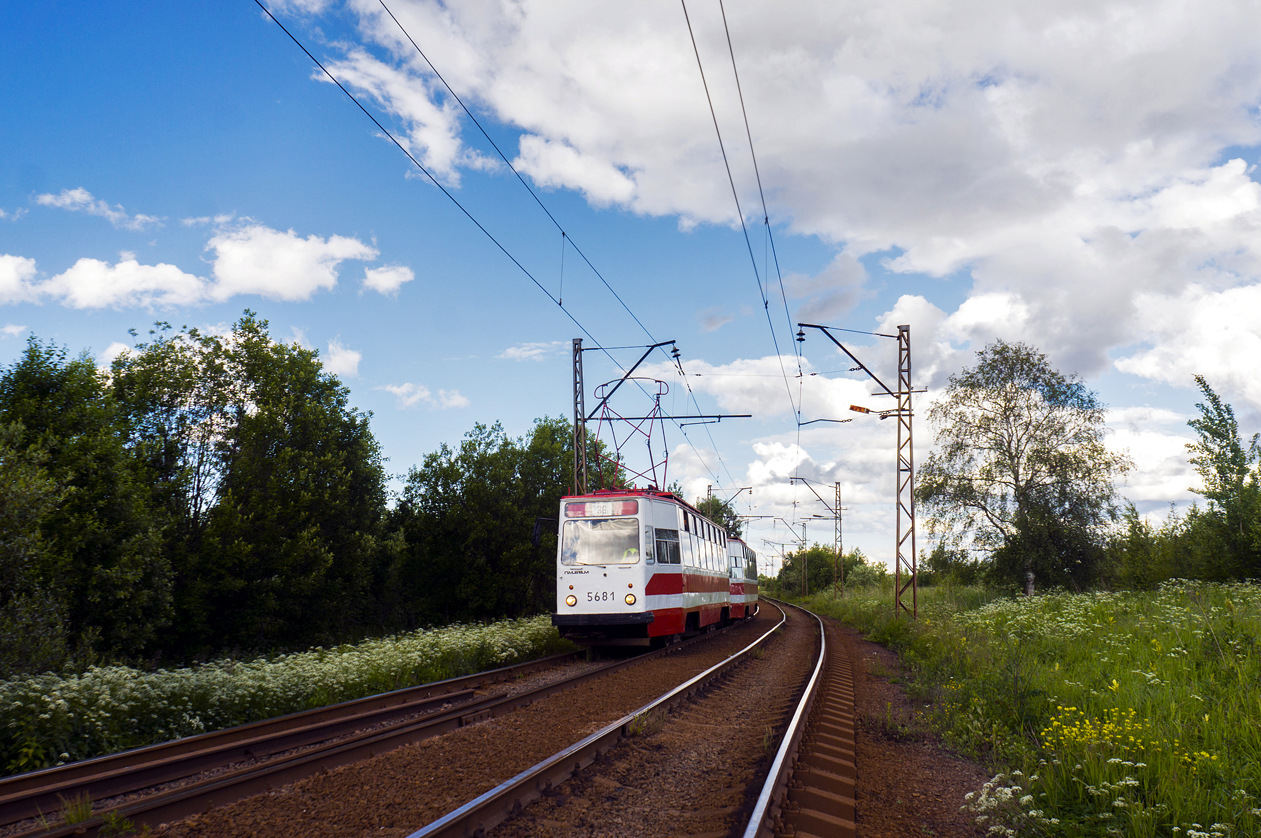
668 547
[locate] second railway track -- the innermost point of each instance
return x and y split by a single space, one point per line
396 792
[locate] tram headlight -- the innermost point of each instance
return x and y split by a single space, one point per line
630 599
571 600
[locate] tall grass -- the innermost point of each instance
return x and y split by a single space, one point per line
49 719
1131 714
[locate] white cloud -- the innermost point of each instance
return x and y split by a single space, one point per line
1201 332
342 360
532 351
432 135
204 220
1063 158
387 280
16 273
255 259
410 395
106 358
91 283
303 6
12 216
451 398
557 164
12 331
81 200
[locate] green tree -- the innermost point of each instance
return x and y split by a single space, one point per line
32 614
288 550
721 513
468 516
104 532
476 526
1231 472
1020 468
822 570
951 566
273 485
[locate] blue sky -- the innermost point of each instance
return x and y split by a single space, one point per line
1080 176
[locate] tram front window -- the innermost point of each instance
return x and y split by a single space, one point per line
600 541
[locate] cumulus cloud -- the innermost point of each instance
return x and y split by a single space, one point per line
1201 332
432 132
81 200
16 273
248 258
410 394
11 330
387 280
92 283
342 360
1062 160
556 164
254 259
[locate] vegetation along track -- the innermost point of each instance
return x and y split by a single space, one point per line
174 779
161 784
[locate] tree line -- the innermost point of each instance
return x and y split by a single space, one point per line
1020 489
210 494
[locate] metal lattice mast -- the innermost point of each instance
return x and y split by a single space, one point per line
906 558
580 424
838 572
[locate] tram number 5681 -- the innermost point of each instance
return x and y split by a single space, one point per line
599 596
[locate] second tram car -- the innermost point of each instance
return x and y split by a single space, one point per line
638 567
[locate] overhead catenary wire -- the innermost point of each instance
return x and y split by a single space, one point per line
739 211
508 163
565 237
468 214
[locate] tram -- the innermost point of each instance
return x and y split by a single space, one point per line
642 567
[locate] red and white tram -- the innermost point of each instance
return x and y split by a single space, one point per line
743 563
636 567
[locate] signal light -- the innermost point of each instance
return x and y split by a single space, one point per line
630 599
571 600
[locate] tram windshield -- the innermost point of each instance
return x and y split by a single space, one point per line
600 541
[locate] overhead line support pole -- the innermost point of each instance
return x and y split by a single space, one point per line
904 527
580 424
906 479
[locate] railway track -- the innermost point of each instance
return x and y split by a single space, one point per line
808 791
482 814
810 788
245 760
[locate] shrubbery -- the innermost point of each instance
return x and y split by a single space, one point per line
48 719
1127 714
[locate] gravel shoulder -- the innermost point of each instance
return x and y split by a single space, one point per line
909 785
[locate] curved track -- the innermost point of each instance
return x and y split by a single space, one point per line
479 816
810 788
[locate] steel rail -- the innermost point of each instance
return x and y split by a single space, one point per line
37 793
811 782
199 796
488 810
